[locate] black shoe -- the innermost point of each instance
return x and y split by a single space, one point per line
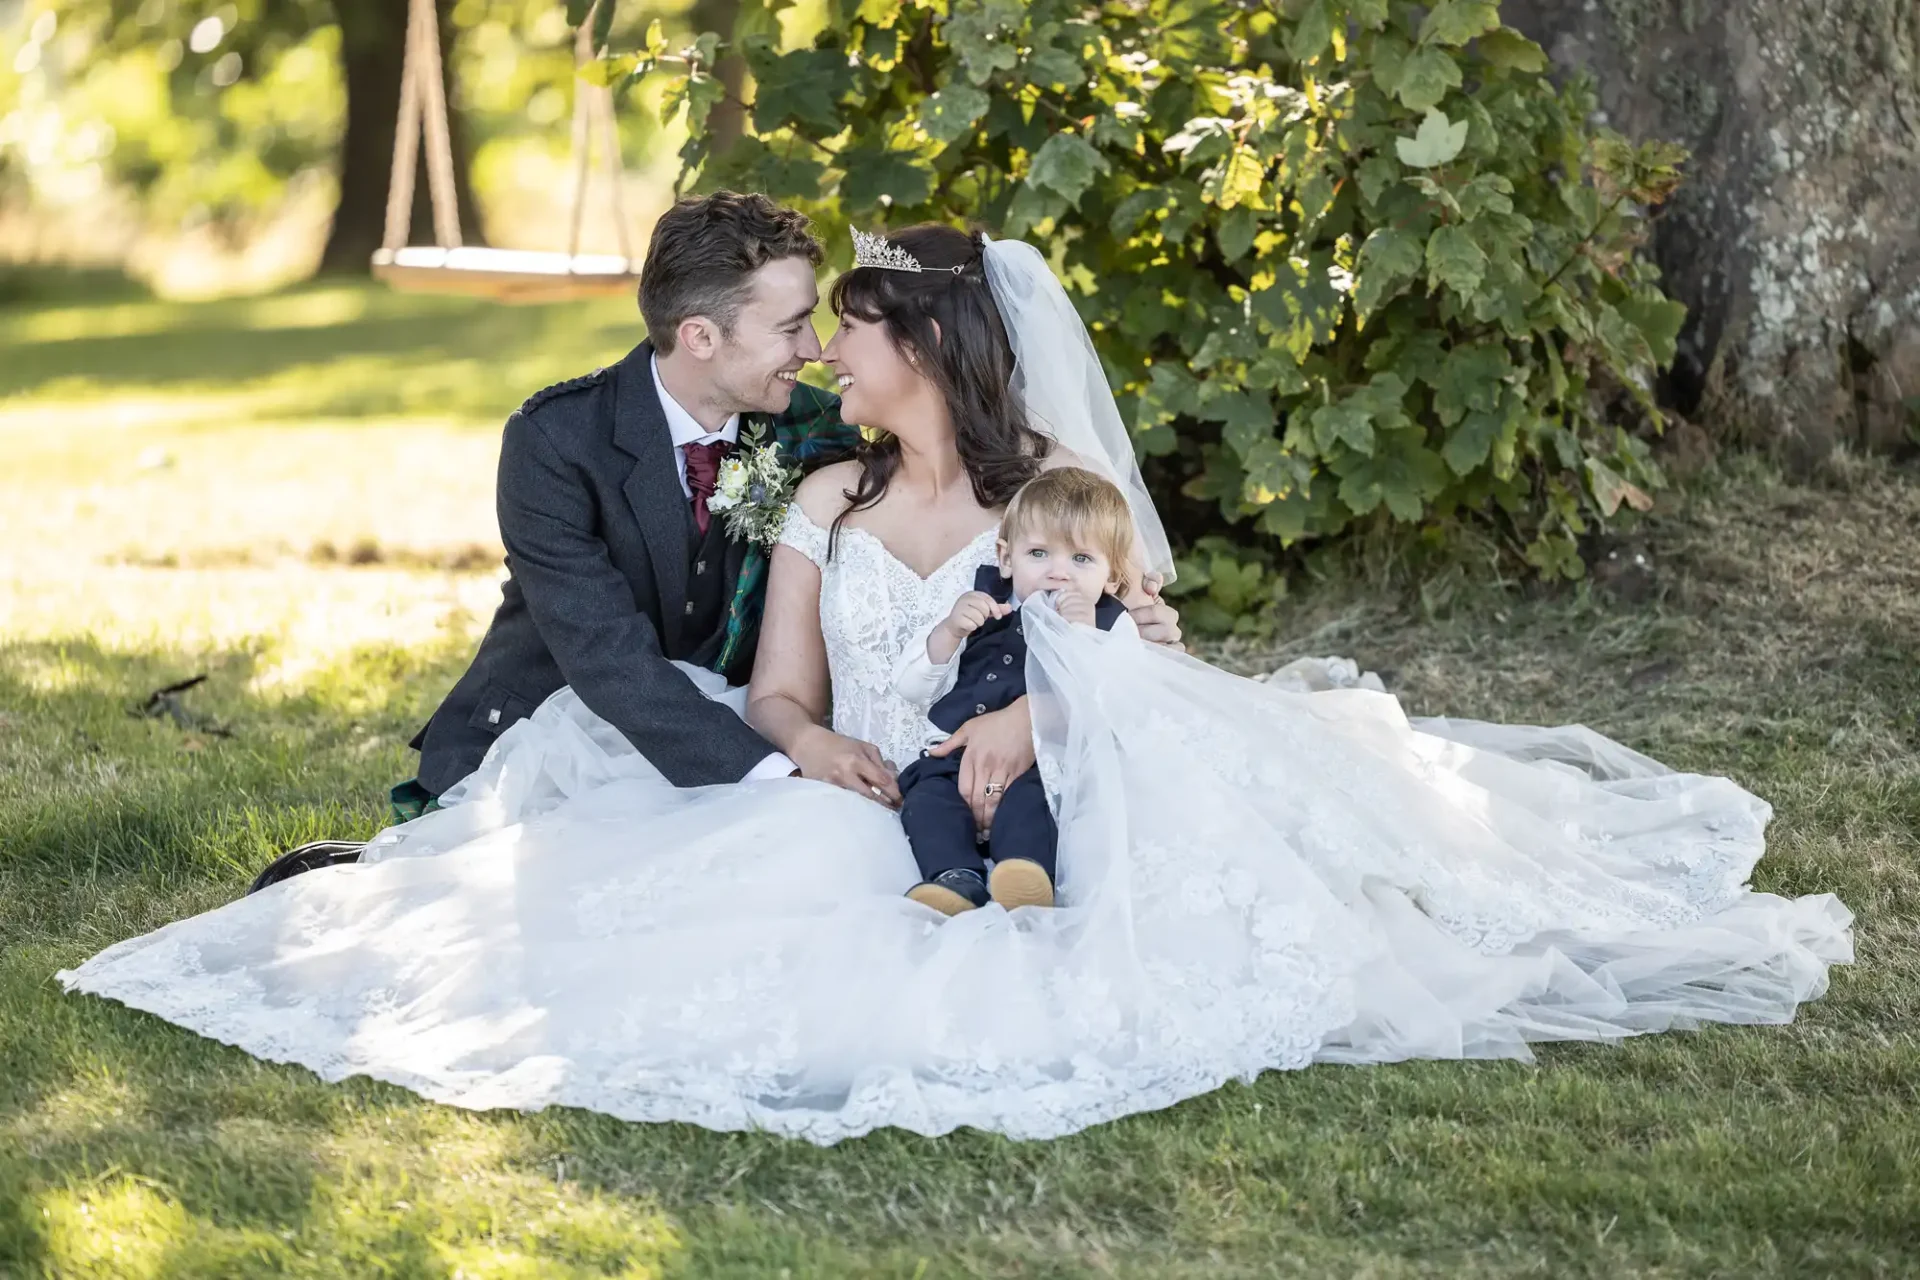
321 853
952 892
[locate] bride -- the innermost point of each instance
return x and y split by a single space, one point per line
1254 876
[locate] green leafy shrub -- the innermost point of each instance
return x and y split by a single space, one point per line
1346 260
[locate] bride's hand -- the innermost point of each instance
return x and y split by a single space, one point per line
826 756
999 749
1158 621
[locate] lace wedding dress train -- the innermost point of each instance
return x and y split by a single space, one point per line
1254 876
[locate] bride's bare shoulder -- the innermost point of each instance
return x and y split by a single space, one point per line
823 495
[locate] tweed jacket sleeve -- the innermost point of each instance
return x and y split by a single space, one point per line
606 648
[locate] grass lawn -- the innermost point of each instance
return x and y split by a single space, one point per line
293 496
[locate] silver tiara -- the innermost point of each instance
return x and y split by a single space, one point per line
878 251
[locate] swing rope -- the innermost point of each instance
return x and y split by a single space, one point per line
423 111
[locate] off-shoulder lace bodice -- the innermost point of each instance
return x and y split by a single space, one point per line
871 608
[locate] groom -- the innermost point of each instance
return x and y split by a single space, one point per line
615 564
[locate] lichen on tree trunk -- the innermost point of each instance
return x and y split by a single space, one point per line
1796 241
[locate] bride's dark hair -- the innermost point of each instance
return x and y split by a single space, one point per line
967 358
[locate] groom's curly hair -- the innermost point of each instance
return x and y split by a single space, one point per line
947 321
703 254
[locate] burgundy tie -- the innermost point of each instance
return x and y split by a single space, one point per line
703 472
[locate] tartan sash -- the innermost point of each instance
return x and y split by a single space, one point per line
809 435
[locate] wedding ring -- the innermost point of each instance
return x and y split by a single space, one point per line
995 788
877 791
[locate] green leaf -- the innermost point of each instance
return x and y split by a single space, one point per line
1235 233
1384 399
871 174
1392 250
1471 443
1426 77
1305 509
801 88
1473 377
1454 22
1388 259
1067 165
1437 141
700 92
1053 67
1621 339
1302 306
577 11
1171 393
1487 193
983 37
1343 422
1659 320
1030 207
1247 416
1508 49
1403 475
1271 473
1278 372
880 13
1312 32
1390 54
1376 174
1453 259
951 114
1370 14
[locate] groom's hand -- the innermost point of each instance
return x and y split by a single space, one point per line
1159 622
999 749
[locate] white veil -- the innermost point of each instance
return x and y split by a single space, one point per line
1058 378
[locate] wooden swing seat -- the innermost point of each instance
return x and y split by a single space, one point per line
507 275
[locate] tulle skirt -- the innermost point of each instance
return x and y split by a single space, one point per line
1253 876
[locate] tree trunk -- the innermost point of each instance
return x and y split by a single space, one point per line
373 42
1796 240
728 120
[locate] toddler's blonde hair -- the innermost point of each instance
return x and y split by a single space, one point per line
1084 506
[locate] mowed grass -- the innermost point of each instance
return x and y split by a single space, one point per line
293 495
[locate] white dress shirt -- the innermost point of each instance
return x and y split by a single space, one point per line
686 430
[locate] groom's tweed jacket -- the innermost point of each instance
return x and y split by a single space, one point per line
600 550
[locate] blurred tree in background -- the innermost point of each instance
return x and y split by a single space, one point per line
220 115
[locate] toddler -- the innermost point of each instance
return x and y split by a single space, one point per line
1068 533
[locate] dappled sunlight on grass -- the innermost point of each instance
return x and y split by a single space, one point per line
350 351
293 495
121 1227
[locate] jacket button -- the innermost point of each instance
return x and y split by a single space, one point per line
493 716
700 566
689 608
1007 660
979 708
992 675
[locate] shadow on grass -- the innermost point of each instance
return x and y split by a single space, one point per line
91 788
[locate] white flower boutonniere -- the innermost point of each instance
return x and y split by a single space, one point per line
753 490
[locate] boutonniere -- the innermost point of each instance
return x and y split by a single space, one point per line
753 489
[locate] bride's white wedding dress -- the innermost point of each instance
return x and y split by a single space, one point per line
1254 875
